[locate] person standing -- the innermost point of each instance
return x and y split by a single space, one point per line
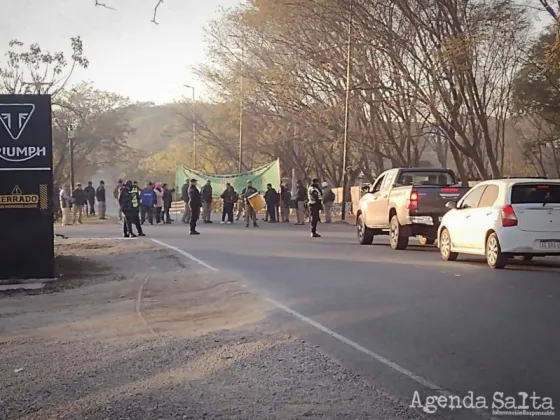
207 202
240 207
116 193
328 200
185 197
167 200
229 196
147 201
158 203
195 201
250 213
315 206
78 201
285 198
89 191
66 205
129 202
101 200
271 199
135 214
301 197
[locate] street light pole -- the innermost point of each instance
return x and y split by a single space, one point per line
346 112
241 111
71 135
193 127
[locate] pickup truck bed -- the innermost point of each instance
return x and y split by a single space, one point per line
409 210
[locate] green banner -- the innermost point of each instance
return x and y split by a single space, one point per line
266 174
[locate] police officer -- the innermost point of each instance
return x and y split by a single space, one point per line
314 198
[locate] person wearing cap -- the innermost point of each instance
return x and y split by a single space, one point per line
315 205
129 202
195 202
328 200
250 214
101 200
78 202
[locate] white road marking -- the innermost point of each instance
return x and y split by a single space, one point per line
381 359
185 254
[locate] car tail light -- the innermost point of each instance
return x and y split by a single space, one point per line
543 187
508 217
413 201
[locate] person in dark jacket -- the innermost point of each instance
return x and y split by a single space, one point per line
129 202
207 202
167 200
230 197
90 196
195 202
271 199
78 201
301 198
286 198
315 197
101 200
147 203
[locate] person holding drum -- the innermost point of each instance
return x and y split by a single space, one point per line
251 195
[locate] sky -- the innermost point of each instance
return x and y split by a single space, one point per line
128 54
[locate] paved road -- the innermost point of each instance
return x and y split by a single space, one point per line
460 325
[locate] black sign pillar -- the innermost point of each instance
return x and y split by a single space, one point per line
26 187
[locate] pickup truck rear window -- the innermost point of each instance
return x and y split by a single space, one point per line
535 194
415 178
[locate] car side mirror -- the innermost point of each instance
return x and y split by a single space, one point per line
366 189
451 205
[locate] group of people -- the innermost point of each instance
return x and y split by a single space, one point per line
152 204
73 203
316 199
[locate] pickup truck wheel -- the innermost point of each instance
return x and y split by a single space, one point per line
494 256
445 247
425 241
365 234
397 240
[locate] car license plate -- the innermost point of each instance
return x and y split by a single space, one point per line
550 244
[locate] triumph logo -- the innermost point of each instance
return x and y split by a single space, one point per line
15 117
21 154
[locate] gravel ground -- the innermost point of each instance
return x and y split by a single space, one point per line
132 332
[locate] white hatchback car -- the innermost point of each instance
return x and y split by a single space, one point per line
501 219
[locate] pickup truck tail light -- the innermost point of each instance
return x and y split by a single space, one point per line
413 201
508 216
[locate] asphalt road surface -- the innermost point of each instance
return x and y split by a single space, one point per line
406 320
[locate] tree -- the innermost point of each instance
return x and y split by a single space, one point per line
37 71
101 127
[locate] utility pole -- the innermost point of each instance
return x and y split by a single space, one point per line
346 112
193 126
241 111
71 134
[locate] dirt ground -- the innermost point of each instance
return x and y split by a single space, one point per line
133 332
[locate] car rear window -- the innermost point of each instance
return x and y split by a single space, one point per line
535 194
426 178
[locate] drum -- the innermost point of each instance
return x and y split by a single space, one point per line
257 202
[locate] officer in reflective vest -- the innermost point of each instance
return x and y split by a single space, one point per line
314 199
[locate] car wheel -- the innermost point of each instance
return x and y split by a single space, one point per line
494 256
425 241
397 240
445 247
365 234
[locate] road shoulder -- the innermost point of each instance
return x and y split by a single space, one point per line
133 331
